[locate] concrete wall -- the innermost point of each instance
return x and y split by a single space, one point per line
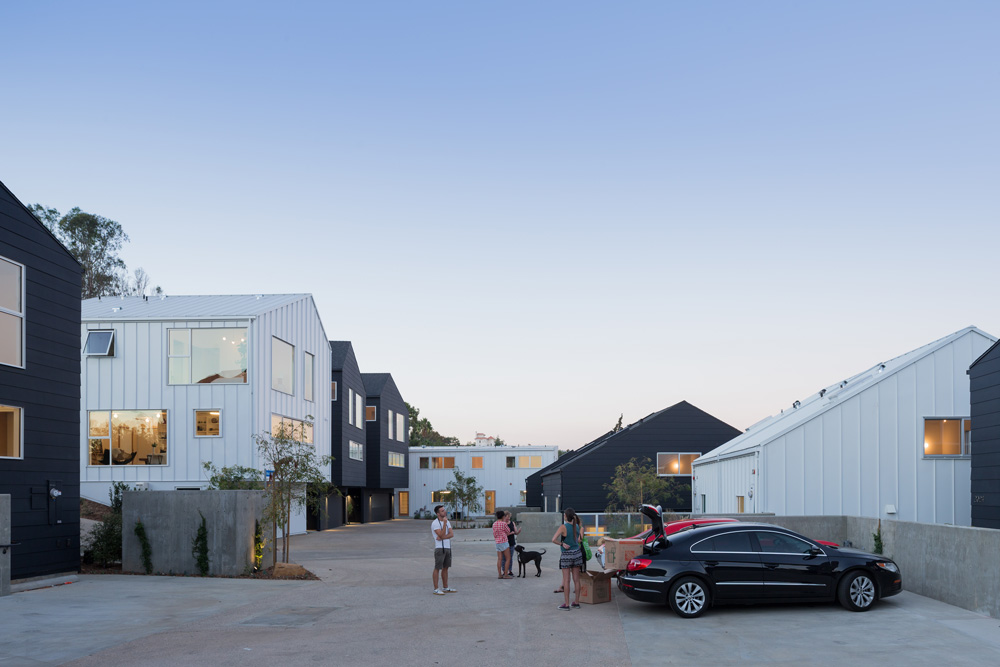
5 539
538 526
172 518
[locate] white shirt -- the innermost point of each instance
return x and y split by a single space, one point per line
437 525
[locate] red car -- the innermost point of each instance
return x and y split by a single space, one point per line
674 526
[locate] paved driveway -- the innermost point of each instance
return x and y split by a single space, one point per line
374 607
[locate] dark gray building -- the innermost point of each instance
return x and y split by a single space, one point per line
670 438
39 393
984 391
388 441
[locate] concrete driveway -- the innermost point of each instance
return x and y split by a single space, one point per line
374 606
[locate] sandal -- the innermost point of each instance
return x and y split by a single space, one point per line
558 590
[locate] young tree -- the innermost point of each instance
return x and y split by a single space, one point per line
465 493
635 483
297 476
498 442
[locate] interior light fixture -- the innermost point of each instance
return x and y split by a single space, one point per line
926 446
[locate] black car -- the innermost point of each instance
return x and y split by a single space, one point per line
753 562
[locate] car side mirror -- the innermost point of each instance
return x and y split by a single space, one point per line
815 551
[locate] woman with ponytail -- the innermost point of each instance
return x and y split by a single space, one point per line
571 559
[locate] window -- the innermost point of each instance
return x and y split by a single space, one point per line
528 461
425 462
738 542
307 376
669 464
282 366
397 460
100 344
400 426
127 437
206 356
779 543
11 313
440 496
477 462
948 437
524 497
511 462
333 391
295 429
350 406
359 410
440 461
370 411
391 424
207 423
356 451
10 432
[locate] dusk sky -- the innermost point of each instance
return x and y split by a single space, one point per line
538 216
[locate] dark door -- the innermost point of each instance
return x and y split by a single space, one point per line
792 569
733 565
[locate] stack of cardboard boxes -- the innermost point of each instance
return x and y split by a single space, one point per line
595 585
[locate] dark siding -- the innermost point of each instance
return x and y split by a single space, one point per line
984 385
346 471
48 391
380 474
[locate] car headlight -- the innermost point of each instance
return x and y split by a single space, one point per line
887 565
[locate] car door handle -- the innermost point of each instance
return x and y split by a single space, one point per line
770 566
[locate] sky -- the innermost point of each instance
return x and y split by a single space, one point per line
540 216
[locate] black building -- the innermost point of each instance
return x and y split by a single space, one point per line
670 438
388 442
349 472
39 393
984 388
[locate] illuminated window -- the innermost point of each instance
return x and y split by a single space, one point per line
11 313
442 461
295 429
127 437
440 496
948 437
10 432
206 356
477 462
528 462
370 412
397 460
671 463
207 423
333 391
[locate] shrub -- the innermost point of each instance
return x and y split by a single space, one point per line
147 550
199 547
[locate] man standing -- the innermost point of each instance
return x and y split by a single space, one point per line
441 529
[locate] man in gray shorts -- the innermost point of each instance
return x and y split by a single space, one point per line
441 529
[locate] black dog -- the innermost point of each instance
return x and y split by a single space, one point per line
525 557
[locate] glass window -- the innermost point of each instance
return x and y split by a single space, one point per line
282 366
536 461
370 411
779 543
359 410
443 462
295 429
11 313
672 463
524 496
350 406
10 432
738 542
333 391
356 451
400 426
948 437
425 462
511 462
208 423
206 356
100 344
396 460
477 462
307 377
391 424
440 496
128 437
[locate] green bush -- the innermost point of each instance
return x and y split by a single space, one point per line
147 550
106 540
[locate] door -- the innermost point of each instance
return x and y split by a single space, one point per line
733 565
739 504
491 502
791 567
404 503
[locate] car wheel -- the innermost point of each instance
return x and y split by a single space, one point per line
689 597
857 591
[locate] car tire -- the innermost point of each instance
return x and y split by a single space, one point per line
857 591
689 597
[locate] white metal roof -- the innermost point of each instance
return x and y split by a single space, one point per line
777 425
222 307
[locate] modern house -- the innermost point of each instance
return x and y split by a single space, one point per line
348 435
671 438
501 471
891 442
387 443
173 382
984 388
39 393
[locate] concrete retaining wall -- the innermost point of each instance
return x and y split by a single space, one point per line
538 526
171 520
5 539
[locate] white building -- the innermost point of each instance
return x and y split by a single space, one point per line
483 440
501 472
892 442
171 383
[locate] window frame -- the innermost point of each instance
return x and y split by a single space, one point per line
190 355
218 412
109 350
678 456
442 497
291 387
308 376
311 430
350 406
20 433
21 315
511 462
111 415
401 458
353 446
400 427
481 460
333 390
374 409
391 425
965 439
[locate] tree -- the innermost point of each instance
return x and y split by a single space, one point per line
465 493
95 242
497 442
636 483
618 426
296 476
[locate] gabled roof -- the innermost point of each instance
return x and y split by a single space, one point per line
221 307
825 399
41 224
984 354
339 349
375 383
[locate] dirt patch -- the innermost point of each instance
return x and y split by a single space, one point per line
94 511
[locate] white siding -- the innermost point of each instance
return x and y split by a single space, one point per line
722 481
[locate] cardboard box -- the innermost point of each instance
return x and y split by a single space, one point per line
617 553
595 586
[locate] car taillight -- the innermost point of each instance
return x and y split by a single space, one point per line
637 564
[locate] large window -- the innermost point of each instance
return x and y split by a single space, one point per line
127 437
950 436
391 424
282 366
208 423
11 313
437 461
440 496
356 451
400 426
100 344
371 413
296 429
529 461
477 462
350 406
307 376
206 356
10 432
669 464
397 460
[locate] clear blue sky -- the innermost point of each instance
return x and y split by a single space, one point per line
539 216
